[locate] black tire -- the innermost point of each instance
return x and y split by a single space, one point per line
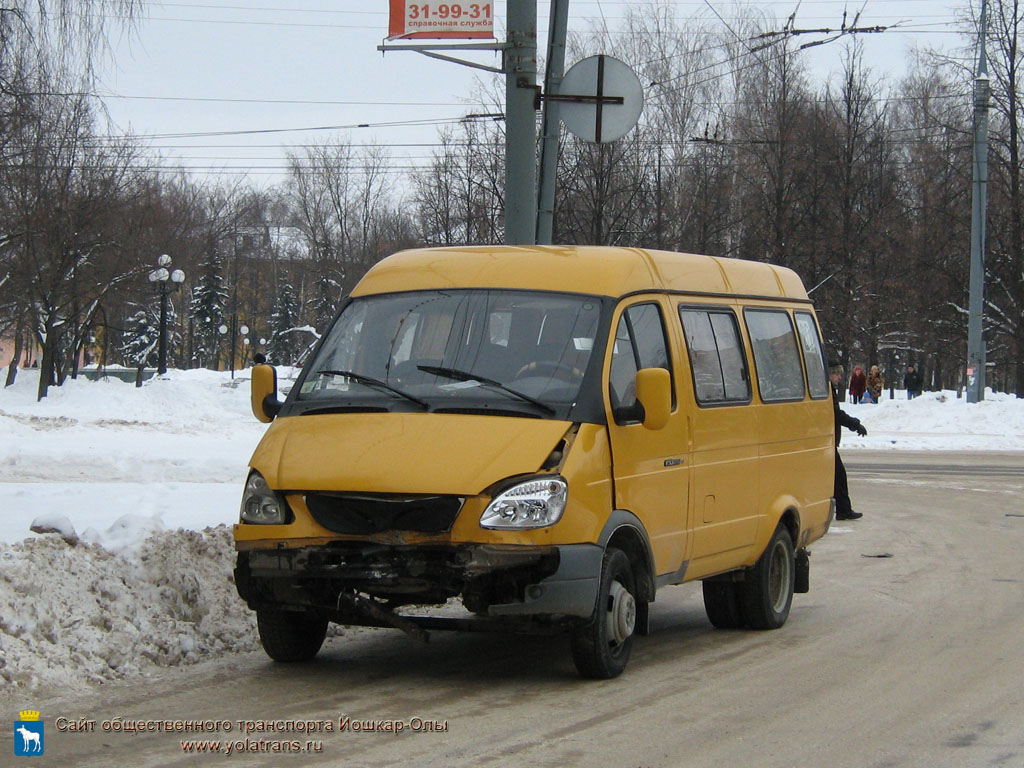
767 593
600 648
289 636
723 604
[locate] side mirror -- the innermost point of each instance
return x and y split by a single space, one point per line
654 392
263 396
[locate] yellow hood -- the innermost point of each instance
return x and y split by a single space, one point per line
402 452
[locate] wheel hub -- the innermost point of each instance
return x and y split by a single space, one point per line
621 614
779 578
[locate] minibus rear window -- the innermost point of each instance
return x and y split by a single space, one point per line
814 361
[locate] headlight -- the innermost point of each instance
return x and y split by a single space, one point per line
260 504
536 503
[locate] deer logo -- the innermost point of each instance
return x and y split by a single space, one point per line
29 738
30 730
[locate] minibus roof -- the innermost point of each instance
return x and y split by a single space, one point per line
595 270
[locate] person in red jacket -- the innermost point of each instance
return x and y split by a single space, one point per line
858 383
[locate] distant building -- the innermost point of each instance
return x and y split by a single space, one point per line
29 354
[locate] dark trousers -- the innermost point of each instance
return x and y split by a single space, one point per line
842 488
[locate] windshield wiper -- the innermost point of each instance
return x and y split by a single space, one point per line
375 383
457 375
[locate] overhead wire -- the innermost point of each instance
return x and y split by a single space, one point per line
333 13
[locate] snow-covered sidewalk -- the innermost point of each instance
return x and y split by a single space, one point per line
171 454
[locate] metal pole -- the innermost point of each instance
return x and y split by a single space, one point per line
557 26
659 241
234 321
979 192
521 124
162 356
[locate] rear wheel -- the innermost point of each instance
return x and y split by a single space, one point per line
600 648
767 593
290 635
722 603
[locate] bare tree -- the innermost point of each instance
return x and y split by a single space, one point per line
63 195
933 130
46 47
342 202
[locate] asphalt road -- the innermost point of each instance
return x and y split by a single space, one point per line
907 652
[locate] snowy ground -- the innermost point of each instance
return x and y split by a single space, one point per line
115 463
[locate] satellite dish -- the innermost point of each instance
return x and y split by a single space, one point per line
600 99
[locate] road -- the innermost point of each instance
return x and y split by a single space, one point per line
908 651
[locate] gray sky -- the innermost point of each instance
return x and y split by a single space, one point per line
196 68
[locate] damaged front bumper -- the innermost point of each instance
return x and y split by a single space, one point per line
548 582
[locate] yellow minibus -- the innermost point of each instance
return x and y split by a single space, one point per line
546 435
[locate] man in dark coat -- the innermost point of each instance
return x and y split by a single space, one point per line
912 382
844 509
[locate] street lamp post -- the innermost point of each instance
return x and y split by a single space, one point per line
979 203
161 276
235 330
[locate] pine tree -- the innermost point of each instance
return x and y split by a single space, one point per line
208 310
285 344
141 339
327 294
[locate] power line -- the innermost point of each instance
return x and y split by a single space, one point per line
349 126
919 26
318 102
230 100
656 4
943 20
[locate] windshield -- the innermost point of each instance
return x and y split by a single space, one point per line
464 350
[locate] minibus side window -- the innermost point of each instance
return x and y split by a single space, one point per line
716 356
639 343
776 356
814 361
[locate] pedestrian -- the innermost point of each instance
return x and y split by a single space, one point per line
841 490
875 384
858 383
912 382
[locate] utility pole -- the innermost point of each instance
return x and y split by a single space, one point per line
521 124
979 193
550 122
522 98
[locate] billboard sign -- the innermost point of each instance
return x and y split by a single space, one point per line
451 20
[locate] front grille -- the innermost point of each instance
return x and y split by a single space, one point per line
376 513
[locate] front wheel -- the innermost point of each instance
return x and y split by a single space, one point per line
290 635
768 590
600 648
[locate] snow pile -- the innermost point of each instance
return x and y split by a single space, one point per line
71 615
940 421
